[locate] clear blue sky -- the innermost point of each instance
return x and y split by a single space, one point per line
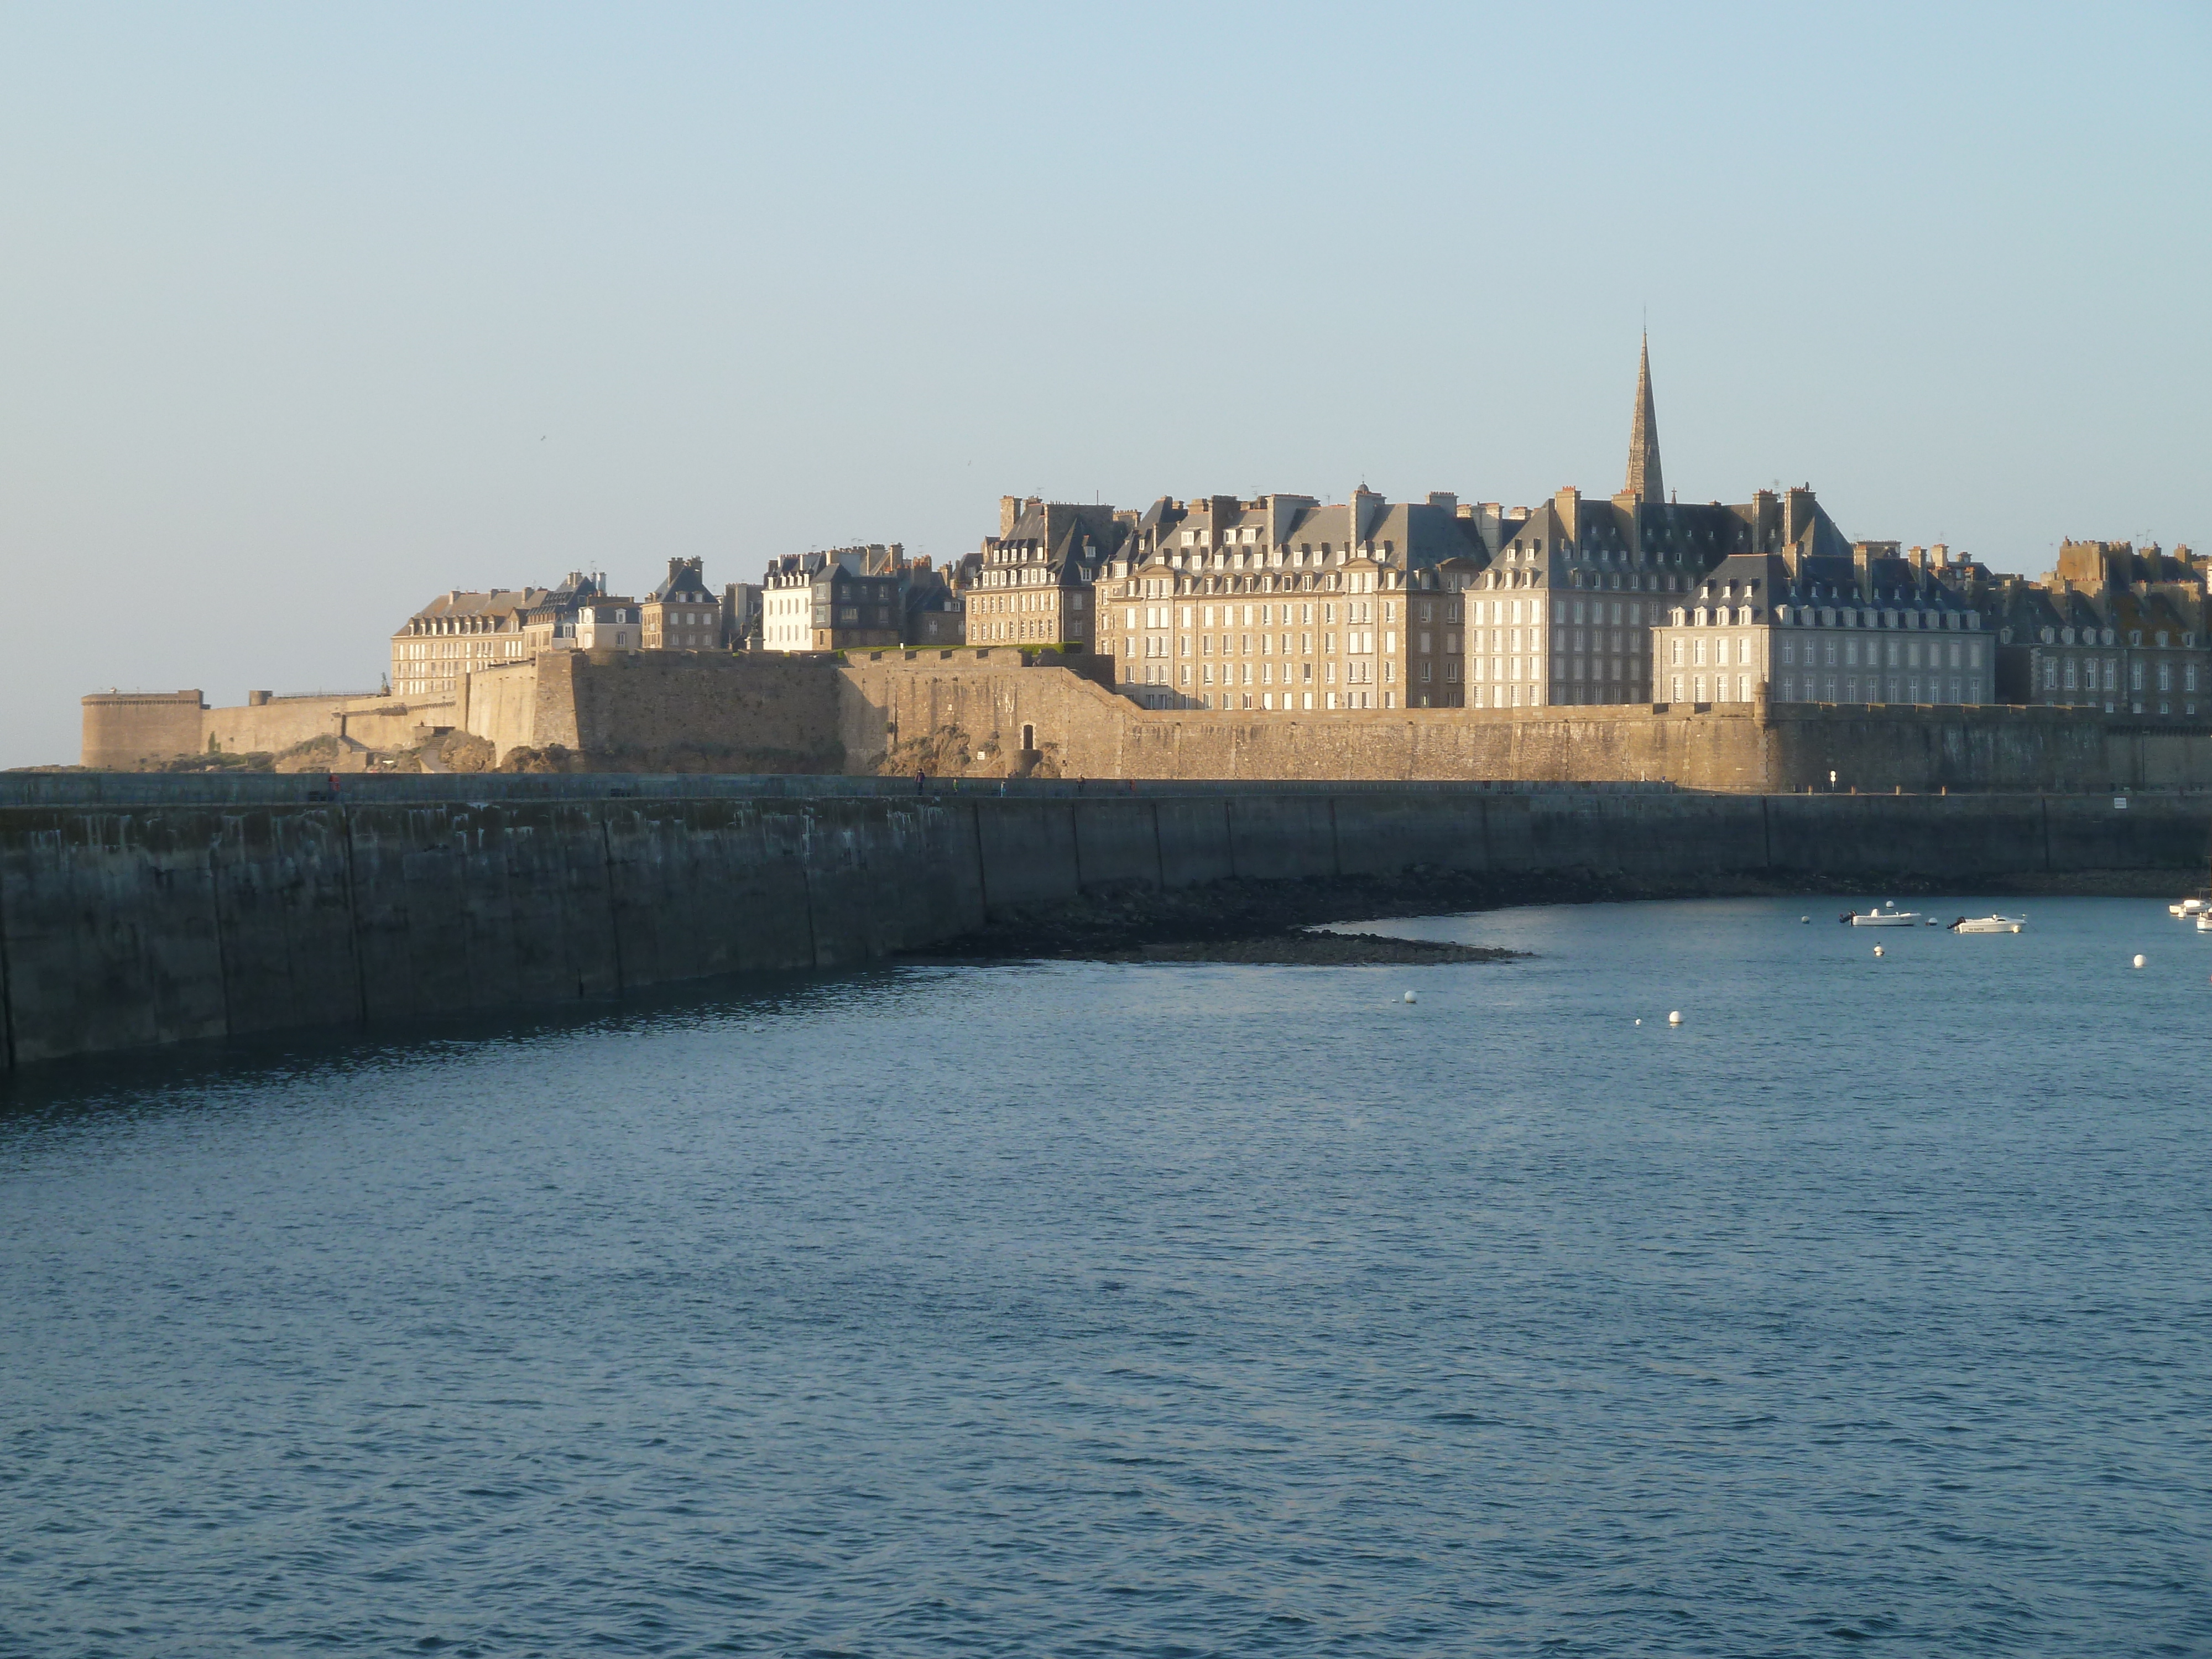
307 313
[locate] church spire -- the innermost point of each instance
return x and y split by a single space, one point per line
1644 480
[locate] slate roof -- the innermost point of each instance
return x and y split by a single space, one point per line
684 582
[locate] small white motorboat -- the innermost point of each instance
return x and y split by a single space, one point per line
2204 922
1989 924
1881 916
2187 908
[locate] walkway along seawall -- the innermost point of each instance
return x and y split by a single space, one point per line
140 909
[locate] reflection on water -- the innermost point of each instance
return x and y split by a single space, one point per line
1149 1310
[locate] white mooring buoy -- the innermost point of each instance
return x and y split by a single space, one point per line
1877 950
2139 962
1675 1017
1639 1022
1410 997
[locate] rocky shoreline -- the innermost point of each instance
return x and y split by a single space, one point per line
1317 950
1258 922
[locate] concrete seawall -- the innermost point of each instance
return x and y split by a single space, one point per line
137 910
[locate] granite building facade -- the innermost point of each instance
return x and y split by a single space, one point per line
457 634
682 613
839 600
1032 583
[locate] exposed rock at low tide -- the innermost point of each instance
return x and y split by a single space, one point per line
1206 923
1304 950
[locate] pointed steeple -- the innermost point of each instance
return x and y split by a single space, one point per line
1644 480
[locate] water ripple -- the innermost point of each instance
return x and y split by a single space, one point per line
1150 1310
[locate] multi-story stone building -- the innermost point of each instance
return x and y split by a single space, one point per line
681 614
1478 606
1282 604
455 634
549 622
935 611
2113 628
1033 581
609 622
1810 625
844 598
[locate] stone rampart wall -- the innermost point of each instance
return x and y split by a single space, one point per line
197 914
665 711
987 699
273 727
501 705
124 731
986 712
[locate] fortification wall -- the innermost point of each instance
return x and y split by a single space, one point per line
1984 748
986 712
1082 730
665 711
206 906
273 727
501 705
979 704
125 730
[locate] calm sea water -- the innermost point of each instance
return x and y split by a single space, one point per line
1153 1310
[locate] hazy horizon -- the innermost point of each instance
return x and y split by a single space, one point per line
310 317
